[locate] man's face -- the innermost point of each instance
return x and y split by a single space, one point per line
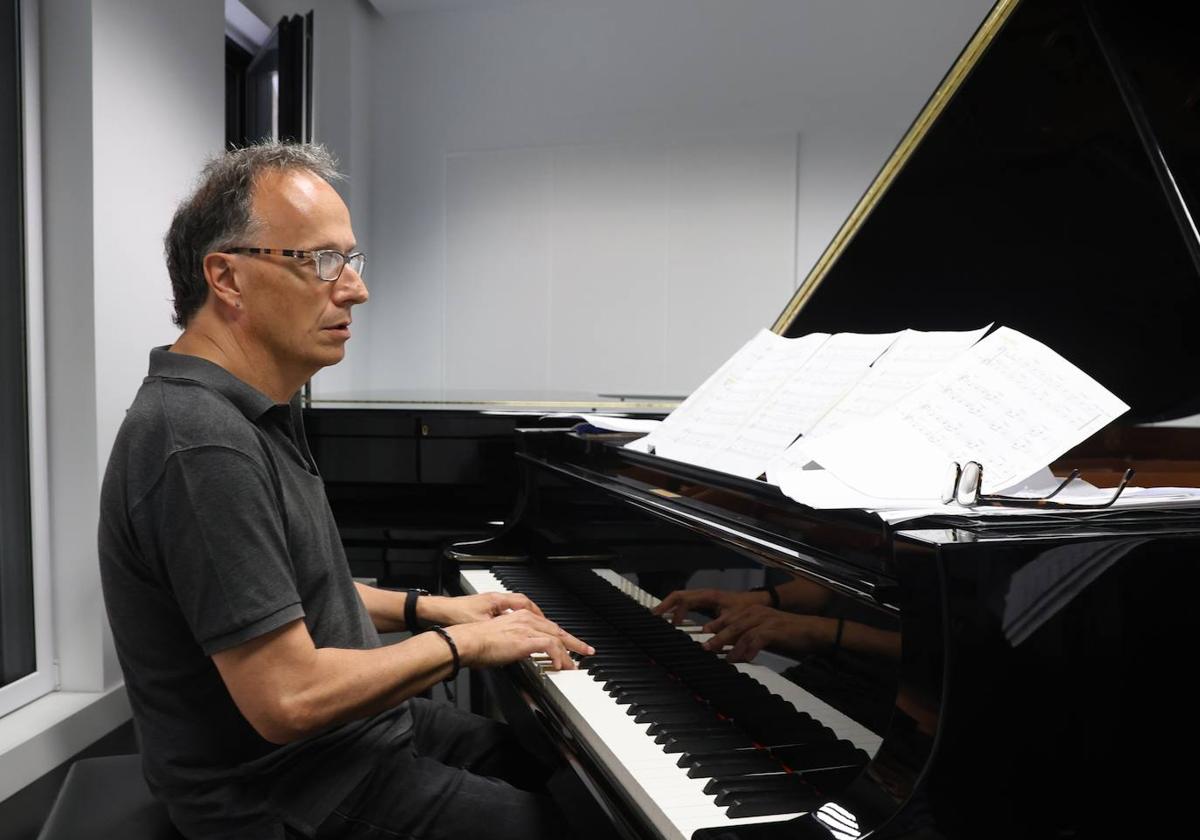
302 321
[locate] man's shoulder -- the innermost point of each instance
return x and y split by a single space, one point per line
170 415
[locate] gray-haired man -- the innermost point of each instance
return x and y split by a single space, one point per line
263 699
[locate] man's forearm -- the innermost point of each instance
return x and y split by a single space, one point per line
802 595
310 689
386 608
347 685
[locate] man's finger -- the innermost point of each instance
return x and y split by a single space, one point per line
747 647
667 604
549 628
572 643
518 601
561 658
724 619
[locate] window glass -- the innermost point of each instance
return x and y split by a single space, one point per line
17 650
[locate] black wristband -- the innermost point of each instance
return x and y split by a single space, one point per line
771 591
441 631
837 636
410 609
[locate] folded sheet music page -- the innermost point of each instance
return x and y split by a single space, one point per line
1009 402
701 429
800 399
911 359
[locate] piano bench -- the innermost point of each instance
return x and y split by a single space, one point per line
107 798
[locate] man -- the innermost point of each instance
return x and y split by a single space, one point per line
265 704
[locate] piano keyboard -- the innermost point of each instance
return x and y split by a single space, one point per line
684 762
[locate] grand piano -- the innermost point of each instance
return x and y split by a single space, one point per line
949 677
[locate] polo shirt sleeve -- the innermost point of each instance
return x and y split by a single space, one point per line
220 538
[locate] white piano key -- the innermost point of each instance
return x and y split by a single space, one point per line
675 804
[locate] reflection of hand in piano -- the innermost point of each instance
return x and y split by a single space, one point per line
678 604
747 631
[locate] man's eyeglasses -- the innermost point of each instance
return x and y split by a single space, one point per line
964 483
329 263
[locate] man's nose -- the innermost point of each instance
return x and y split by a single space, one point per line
350 288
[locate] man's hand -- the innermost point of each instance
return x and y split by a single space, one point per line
514 636
751 629
436 609
679 603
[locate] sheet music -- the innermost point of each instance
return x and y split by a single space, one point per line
804 394
704 424
1009 402
910 360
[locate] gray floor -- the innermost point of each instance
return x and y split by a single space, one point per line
22 814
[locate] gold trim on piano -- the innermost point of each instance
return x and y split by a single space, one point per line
916 133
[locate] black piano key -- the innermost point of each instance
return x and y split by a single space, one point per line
692 699
783 732
706 743
703 766
615 671
790 785
675 715
820 756
764 804
661 732
833 778
723 785
688 704
642 695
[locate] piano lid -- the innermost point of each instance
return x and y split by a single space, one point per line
1052 184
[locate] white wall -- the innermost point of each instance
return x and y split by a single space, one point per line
341 112
612 195
131 104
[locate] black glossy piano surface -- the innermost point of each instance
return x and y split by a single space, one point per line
1024 679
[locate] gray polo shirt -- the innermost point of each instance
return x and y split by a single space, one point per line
215 529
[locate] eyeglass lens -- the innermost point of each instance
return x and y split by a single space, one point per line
330 263
969 483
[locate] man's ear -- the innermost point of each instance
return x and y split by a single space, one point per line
223 280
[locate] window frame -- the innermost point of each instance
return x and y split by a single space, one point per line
44 678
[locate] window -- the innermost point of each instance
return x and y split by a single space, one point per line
18 650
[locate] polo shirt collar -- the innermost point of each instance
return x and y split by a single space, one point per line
249 400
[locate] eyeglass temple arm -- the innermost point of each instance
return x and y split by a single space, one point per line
1120 487
1074 475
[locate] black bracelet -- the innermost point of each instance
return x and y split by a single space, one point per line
771 591
410 609
837 636
441 631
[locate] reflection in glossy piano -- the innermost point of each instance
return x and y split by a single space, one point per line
945 678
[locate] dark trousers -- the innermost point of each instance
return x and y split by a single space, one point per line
459 776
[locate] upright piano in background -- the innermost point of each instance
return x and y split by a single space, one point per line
1037 680
407 472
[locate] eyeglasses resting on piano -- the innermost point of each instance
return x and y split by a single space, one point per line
964 485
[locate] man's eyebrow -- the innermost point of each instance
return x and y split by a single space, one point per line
331 246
